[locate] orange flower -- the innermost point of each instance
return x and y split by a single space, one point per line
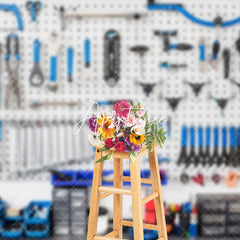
105 128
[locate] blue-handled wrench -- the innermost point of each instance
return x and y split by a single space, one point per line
36 77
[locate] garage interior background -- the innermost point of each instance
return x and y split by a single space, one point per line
37 135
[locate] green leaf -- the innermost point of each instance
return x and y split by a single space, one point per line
132 156
107 157
104 148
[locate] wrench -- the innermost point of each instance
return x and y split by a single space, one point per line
36 77
54 44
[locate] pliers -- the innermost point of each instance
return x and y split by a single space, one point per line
13 85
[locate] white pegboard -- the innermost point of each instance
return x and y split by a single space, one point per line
191 111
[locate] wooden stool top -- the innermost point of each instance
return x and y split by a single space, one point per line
124 155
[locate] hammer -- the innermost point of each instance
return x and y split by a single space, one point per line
166 41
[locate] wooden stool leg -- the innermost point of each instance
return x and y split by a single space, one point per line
136 199
117 198
95 198
158 202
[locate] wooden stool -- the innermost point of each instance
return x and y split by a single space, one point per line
99 192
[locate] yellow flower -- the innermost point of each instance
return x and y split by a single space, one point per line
104 122
137 139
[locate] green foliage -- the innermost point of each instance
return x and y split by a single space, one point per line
107 157
104 148
132 156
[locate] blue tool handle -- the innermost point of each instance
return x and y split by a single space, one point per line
239 136
233 137
70 55
33 12
192 137
13 8
53 69
208 136
216 137
202 56
200 136
224 136
87 52
164 65
0 130
103 103
184 136
36 52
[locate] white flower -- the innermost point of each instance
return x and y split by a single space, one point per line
138 129
94 138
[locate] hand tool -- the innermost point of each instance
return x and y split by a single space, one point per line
200 157
226 62
16 11
0 130
192 155
216 178
231 179
70 60
38 127
199 179
238 46
84 14
222 102
34 8
217 22
207 146
12 157
166 41
238 141
184 178
224 156
36 77
173 102
13 85
215 156
54 44
233 154
236 83
215 53
111 57
197 87
175 66
202 55
87 57
38 104
185 219
183 154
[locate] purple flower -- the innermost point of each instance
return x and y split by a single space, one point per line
127 140
136 148
92 124
118 122
126 148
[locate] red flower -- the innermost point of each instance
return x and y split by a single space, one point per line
109 143
116 140
120 147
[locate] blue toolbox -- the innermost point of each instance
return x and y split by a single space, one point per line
37 219
13 227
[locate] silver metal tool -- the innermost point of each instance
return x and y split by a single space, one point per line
13 85
37 104
36 77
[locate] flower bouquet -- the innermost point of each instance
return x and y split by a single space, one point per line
127 129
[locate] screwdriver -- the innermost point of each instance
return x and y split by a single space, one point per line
233 156
224 154
183 154
201 155
192 156
70 57
171 66
215 156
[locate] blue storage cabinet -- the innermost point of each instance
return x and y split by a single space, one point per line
13 227
37 219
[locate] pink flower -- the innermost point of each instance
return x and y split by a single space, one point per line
140 113
130 121
140 122
122 108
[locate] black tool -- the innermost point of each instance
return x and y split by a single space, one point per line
200 158
173 102
222 102
233 154
207 156
111 57
215 156
226 62
192 155
166 41
34 8
215 53
196 87
238 46
183 154
224 155
147 87
236 83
